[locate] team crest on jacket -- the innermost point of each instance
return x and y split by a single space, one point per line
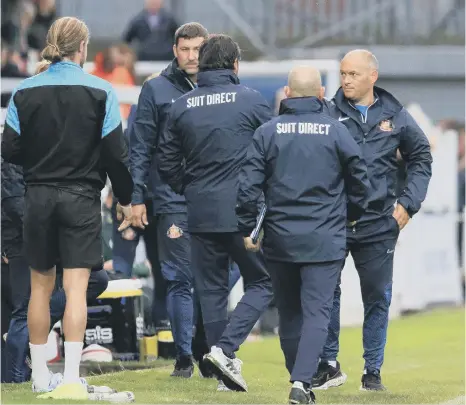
386 125
174 232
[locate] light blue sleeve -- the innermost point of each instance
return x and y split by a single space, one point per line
112 113
12 118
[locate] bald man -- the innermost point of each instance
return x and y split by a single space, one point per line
310 170
381 126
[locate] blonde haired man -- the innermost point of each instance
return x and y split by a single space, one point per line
64 127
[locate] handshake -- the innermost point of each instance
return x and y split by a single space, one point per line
125 213
132 215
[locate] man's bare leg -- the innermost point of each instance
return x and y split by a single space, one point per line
42 285
74 321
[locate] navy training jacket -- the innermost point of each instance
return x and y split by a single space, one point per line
204 145
314 180
386 127
155 101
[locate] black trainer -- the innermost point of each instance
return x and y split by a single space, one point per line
301 395
372 382
328 376
184 368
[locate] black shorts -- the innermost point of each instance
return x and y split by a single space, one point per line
61 224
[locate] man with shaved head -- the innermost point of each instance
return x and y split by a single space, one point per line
381 126
310 170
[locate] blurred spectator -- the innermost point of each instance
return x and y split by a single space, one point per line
45 15
10 20
28 13
127 59
116 67
12 63
153 29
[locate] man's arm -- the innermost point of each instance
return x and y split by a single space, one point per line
252 179
11 138
355 175
114 152
143 140
130 32
415 150
170 155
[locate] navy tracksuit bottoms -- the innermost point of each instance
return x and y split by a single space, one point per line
210 255
372 247
303 296
174 247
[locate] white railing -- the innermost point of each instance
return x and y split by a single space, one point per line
250 70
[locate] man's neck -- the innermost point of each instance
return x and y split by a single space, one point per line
74 60
193 78
367 100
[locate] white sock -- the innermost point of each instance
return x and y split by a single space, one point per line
73 352
40 371
300 385
333 363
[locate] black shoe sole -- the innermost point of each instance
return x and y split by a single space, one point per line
381 389
333 382
303 400
182 373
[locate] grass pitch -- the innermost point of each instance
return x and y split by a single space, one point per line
424 364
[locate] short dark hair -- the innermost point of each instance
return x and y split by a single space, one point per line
219 51
191 30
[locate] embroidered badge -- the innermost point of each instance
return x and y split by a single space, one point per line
386 125
174 232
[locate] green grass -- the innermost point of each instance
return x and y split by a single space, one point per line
424 364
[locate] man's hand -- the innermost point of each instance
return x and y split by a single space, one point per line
140 216
249 245
124 213
401 216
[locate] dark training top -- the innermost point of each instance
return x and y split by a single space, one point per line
64 127
155 101
314 180
204 145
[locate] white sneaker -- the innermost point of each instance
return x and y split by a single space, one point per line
55 380
226 369
115 397
100 389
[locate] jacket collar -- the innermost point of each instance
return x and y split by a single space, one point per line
65 64
300 105
178 77
216 77
389 104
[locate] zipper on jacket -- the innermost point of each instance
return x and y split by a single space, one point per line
190 83
354 229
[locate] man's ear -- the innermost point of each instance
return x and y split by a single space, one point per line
287 91
236 66
174 51
322 93
374 76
